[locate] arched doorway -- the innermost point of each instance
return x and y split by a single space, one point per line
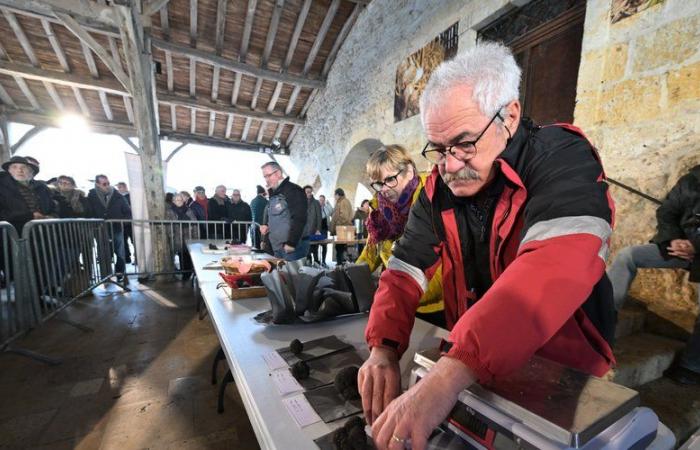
352 171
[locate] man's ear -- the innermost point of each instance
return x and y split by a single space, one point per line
512 114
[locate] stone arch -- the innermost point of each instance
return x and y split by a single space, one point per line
352 170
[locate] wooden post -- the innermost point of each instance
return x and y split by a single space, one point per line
141 69
6 149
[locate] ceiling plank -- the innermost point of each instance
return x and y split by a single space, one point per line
193 120
236 88
278 131
62 78
56 45
256 92
220 25
169 70
229 125
82 34
221 108
193 77
292 100
212 122
275 97
114 50
261 131
165 22
234 66
27 92
271 34
247 29
21 37
215 84
193 23
297 32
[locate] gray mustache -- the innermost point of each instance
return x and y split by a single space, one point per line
465 174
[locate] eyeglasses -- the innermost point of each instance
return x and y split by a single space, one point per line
270 174
389 182
463 151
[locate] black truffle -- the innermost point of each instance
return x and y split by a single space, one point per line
296 346
351 436
346 383
300 370
213 247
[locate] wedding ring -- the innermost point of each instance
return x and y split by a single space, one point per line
395 438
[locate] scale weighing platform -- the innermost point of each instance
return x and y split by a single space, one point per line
547 406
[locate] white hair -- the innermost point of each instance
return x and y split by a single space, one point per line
488 68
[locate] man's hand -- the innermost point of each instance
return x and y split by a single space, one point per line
288 248
415 414
264 229
379 381
681 248
37 215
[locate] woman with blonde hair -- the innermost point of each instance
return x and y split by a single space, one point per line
397 185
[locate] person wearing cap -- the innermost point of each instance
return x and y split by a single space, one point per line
342 215
200 197
21 197
257 206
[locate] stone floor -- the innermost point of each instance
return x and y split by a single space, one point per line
140 380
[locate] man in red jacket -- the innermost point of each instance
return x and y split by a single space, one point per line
518 217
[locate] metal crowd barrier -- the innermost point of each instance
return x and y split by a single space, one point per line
16 313
126 238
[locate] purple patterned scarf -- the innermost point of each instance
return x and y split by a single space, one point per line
389 219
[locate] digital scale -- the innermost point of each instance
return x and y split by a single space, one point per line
547 406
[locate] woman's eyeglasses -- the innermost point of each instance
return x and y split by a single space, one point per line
390 182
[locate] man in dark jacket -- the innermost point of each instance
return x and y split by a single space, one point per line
72 202
219 209
313 220
21 197
123 189
240 212
258 206
518 219
676 245
107 203
286 215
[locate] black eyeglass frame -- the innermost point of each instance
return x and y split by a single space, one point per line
443 151
391 181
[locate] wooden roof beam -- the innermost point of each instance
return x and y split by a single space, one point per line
114 50
165 22
54 95
153 6
33 118
219 47
21 37
82 34
193 23
247 29
5 97
246 129
212 141
234 66
56 45
27 136
173 117
261 131
27 92
340 39
271 34
62 78
220 108
325 26
92 15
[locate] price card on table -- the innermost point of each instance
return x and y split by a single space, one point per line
300 409
274 361
285 382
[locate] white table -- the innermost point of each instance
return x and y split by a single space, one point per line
245 341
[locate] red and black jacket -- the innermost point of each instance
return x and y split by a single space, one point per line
549 240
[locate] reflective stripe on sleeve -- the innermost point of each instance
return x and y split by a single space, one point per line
412 271
565 226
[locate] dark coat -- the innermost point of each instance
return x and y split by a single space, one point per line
313 221
14 209
197 210
258 206
219 212
679 217
117 208
240 212
72 205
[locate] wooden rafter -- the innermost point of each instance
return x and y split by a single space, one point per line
90 60
229 125
340 39
219 47
193 120
107 127
82 34
221 108
246 129
153 6
21 37
56 45
247 29
27 92
5 97
81 101
173 117
234 66
165 22
212 122
55 98
114 50
86 12
6 148
218 142
25 137
261 131
193 23
105 105
62 78
271 34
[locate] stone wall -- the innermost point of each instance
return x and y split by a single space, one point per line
638 99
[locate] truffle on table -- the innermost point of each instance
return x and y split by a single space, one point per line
296 346
300 370
351 436
346 383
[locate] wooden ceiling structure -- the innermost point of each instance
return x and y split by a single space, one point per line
232 73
